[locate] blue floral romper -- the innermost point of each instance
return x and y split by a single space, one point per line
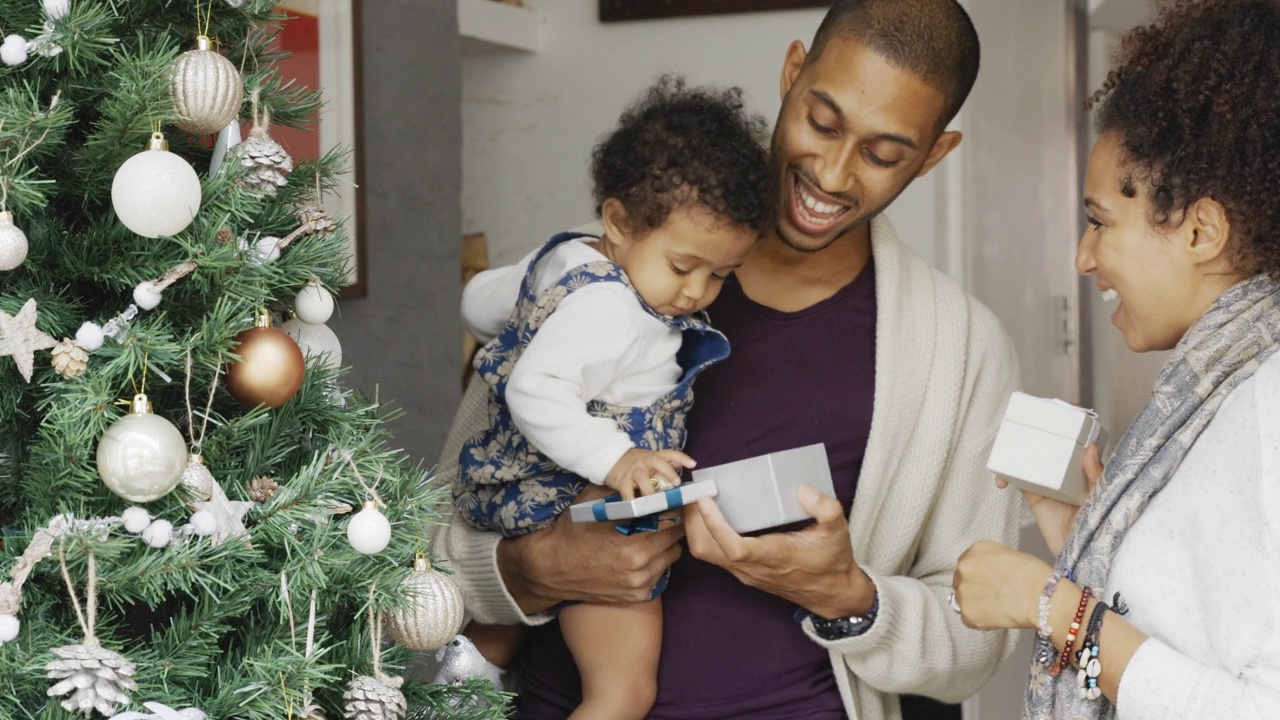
506 484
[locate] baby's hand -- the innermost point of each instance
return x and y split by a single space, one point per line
645 472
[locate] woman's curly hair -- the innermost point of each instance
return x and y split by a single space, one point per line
1196 102
678 147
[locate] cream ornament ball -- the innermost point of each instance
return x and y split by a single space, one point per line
56 9
207 89
369 531
141 457
13 51
13 243
313 304
10 626
156 193
317 341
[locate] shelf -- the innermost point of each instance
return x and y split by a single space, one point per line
1118 16
487 26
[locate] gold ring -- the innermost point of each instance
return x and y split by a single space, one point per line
656 483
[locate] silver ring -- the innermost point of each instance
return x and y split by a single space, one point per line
659 484
951 600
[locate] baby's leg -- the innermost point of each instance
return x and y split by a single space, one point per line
497 643
616 648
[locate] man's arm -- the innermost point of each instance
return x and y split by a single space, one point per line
918 644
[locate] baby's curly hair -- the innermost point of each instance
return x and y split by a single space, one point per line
680 147
1196 102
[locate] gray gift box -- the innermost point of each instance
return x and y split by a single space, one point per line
760 492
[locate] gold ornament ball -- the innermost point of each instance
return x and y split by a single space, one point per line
207 89
432 613
270 370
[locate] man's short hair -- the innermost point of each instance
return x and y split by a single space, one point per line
933 39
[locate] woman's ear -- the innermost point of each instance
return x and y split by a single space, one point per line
613 215
1210 238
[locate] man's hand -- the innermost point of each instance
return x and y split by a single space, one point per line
589 562
813 567
645 472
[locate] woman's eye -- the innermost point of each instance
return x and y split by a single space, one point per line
1095 222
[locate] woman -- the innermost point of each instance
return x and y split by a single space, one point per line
1182 533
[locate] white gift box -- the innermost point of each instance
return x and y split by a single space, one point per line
1040 445
753 494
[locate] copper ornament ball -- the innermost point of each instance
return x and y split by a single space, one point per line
270 370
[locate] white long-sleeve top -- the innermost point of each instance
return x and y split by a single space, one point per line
599 344
1200 571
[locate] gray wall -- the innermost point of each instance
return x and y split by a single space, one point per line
403 341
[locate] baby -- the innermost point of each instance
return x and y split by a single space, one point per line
593 344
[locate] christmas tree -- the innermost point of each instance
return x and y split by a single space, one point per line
197 522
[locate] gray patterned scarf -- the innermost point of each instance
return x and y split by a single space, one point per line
1221 350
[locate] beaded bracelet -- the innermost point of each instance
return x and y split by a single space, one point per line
1045 654
1090 664
1071 633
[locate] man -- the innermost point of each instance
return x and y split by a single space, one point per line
840 335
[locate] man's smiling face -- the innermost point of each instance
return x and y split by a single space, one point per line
853 132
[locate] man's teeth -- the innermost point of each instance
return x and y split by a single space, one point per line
814 205
1110 295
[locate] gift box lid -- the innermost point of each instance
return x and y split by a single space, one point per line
1056 417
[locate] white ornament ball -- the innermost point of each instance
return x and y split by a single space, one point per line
368 531
316 341
141 457
145 295
13 243
136 519
90 336
207 89
14 50
155 192
313 304
9 627
204 523
56 9
158 534
266 249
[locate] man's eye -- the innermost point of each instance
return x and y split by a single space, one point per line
823 129
877 160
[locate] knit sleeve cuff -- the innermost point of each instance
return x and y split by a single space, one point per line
475 558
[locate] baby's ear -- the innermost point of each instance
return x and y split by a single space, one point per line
616 221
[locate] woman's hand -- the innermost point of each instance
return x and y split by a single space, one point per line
998 587
1055 517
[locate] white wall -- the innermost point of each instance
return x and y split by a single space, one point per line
530 120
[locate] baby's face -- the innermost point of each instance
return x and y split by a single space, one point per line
679 267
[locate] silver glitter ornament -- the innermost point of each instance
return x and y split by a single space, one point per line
432 613
207 89
375 698
91 677
196 479
459 662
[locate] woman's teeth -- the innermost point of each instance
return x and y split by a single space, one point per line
1110 295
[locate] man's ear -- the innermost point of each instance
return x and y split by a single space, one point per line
792 66
1210 231
613 215
943 146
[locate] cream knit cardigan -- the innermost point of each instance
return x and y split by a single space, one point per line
944 370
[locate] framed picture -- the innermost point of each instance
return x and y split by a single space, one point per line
323 37
617 10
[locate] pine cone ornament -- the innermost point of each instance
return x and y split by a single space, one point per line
370 698
316 218
69 359
92 678
262 488
265 163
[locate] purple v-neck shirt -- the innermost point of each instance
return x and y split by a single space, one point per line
731 651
